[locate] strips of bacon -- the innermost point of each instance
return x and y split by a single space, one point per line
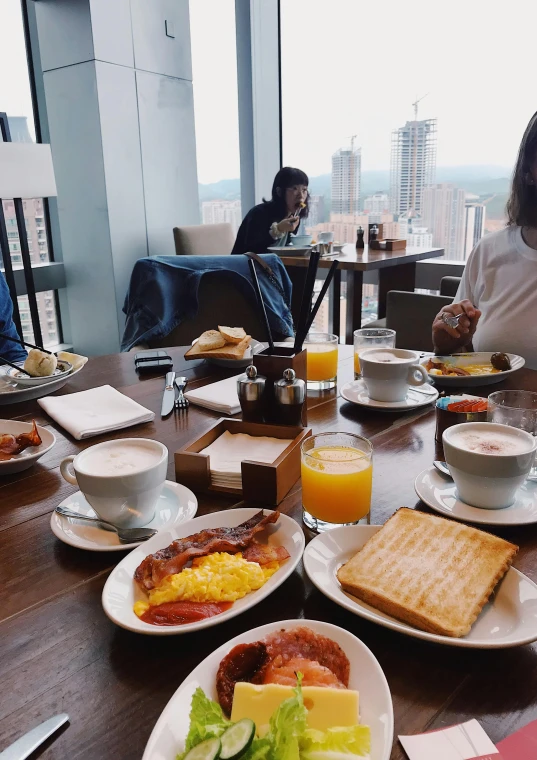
173 558
11 445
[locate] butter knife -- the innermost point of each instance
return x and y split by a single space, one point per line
168 400
24 746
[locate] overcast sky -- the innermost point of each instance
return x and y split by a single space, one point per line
353 67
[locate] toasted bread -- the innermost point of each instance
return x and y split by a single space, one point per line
227 352
211 339
432 573
232 334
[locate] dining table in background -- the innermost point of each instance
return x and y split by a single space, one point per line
60 653
396 271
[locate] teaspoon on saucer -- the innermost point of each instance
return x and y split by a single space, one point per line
125 535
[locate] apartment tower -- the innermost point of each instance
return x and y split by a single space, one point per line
346 177
412 165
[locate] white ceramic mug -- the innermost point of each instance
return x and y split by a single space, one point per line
115 481
387 372
488 480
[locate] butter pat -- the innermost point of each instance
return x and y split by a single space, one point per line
326 707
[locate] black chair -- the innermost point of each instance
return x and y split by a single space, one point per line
411 315
449 286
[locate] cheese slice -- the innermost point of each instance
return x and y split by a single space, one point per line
326 707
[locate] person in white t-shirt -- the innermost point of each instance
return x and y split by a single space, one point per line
498 290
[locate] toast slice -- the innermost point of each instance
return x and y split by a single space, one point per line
432 573
211 339
232 334
229 351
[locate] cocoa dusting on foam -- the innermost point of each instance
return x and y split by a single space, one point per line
488 443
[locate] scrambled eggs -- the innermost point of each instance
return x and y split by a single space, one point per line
217 577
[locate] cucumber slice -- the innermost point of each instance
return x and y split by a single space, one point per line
236 739
207 750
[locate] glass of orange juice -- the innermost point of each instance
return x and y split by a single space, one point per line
370 337
322 356
337 473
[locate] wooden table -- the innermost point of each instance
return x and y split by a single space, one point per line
59 652
397 271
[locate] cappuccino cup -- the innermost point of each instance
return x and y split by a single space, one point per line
122 480
388 372
488 462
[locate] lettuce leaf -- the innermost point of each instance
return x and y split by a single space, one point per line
336 743
206 721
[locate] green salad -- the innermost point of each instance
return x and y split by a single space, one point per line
212 737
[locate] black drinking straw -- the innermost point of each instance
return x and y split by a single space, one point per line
23 343
261 304
15 366
318 302
305 304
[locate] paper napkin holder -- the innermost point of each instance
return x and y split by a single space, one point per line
261 482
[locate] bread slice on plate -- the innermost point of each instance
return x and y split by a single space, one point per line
432 573
211 339
228 351
232 334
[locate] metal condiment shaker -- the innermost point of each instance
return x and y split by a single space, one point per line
290 394
250 389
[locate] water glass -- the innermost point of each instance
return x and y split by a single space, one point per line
322 358
370 337
515 408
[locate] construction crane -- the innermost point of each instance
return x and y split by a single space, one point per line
415 155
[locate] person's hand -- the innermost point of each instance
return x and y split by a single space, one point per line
289 224
447 339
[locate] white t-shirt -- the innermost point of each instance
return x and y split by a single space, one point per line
500 278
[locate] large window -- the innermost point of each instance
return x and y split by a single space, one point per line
16 101
214 69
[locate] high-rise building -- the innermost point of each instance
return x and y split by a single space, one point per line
217 212
316 212
379 203
474 225
412 165
346 177
444 215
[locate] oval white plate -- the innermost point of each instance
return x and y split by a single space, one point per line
176 505
478 357
62 370
509 620
440 493
121 592
255 347
366 676
290 250
356 393
12 393
29 456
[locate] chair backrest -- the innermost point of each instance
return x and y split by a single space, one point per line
411 315
449 286
204 240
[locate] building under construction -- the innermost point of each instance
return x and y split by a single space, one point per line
412 165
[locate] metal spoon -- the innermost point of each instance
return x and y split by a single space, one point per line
444 469
452 320
126 535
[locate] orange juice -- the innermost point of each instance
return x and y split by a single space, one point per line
336 483
321 361
357 369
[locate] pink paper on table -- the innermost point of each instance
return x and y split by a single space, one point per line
522 745
464 741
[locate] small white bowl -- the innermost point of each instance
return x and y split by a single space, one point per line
29 456
62 370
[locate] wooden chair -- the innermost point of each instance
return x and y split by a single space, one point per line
204 240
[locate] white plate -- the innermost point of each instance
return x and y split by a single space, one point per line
356 393
469 381
121 592
290 250
255 347
177 504
366 676
508 620
62 370
29 456
12 393
440 493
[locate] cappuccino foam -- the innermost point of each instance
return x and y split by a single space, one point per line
384 357
493 443
119 458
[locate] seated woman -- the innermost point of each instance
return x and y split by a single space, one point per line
498 290
271 221
8 350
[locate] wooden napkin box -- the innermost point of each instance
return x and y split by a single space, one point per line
261 482
395 244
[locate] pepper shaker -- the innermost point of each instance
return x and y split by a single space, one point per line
250 389
359 238
290 393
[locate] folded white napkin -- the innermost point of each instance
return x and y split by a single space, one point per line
219 397
96 411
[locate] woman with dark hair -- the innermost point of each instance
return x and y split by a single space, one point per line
498 290
266 224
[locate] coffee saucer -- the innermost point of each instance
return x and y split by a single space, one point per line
440 493
356 393
177 504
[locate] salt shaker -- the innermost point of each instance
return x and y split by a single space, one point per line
250 389
290 394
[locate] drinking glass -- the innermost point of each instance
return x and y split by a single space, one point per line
515 408
370 337
337 474
322 356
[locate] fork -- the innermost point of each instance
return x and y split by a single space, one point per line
181 402
452 321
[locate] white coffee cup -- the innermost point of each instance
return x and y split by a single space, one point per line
325 237
387 372
488 462
121 479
